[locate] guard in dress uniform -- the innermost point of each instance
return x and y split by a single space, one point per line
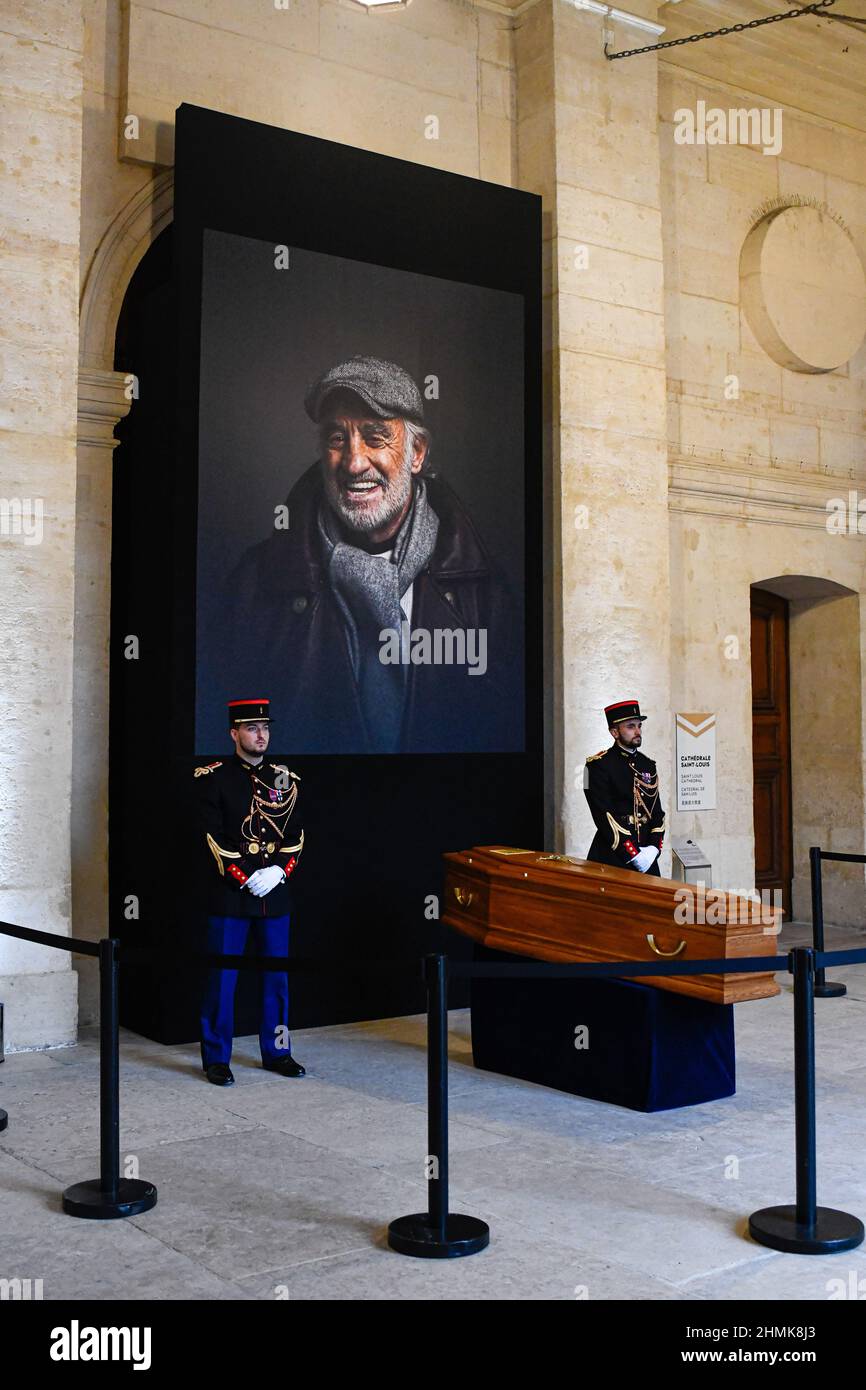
622 788
252 839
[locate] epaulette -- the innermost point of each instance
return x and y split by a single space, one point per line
595 756
281 767
208 767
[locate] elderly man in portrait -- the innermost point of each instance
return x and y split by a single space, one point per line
376 613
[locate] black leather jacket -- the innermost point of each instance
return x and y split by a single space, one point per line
287 639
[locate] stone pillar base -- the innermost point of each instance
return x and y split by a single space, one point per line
40 1011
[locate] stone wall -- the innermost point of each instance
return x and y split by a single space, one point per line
757 451
40 183
683 461
827 748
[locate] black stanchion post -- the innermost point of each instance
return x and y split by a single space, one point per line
805 1229
824 989
109 1196
4 1118
437 1093
437 1234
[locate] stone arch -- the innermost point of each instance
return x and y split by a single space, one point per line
102 402
827 737
123 245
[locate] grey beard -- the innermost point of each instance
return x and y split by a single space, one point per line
396 496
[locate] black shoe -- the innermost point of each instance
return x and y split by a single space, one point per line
220 1073
286 1066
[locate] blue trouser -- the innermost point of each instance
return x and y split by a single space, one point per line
228 936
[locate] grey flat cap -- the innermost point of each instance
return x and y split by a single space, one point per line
386 388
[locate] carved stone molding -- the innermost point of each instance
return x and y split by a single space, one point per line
102 402
803 288
775 495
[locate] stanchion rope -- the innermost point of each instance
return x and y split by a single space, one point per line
141 955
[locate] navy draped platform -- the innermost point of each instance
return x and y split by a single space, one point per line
648 1049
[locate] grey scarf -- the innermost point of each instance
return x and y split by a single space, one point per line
368 590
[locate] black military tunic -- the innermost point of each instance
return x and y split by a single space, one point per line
623 794
248 820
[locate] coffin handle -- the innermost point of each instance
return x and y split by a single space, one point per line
666 954
463 896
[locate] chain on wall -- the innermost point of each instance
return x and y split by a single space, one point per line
720 33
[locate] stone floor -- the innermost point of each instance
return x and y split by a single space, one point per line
277 1188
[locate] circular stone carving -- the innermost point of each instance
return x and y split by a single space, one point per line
803 289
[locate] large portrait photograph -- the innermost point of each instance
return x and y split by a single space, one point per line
360 543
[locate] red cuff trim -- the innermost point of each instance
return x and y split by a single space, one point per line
237 873
290 865
630 848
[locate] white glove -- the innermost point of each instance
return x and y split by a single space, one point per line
263 880
646 858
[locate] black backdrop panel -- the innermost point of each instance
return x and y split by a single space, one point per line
268 331
376 825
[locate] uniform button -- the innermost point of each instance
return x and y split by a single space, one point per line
299 603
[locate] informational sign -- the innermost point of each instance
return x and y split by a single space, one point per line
696 762
690 855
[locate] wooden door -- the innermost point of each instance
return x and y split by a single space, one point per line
771 744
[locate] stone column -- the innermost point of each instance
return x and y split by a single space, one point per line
40 135
588 143
102 402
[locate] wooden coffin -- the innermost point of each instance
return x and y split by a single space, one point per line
554 907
